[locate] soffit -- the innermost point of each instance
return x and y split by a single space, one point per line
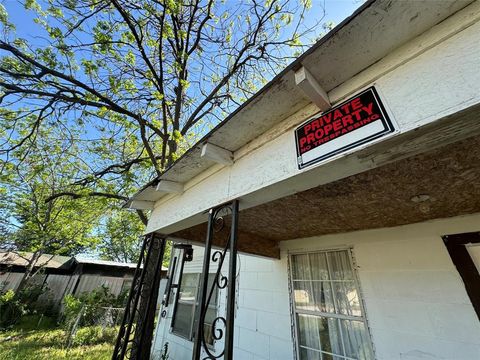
368 35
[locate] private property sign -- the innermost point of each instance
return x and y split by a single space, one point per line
356 121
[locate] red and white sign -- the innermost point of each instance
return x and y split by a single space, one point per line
355 122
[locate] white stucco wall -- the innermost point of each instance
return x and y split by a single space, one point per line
474 251
416 304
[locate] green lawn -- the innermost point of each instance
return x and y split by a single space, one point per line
47 344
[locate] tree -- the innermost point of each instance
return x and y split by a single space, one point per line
140 79
120 236
58 227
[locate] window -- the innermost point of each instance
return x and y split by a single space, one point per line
329 317
184 322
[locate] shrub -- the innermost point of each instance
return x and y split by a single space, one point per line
90 307
93 335
10 309
14 305
7 297
72 309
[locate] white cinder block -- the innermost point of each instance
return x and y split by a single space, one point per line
416 304
255 342
242 354
246 318
258 299
276 280
256 357
280 302
451 322
265 321
417 253
280 349
256 264
393 345
428 286
249 280
401 315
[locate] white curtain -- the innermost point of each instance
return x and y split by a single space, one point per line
324 282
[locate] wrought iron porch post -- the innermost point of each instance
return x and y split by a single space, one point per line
232 274
216 223
197 347
139 312
142 340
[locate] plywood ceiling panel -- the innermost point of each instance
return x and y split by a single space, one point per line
383 197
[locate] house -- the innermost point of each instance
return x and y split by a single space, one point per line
63 275
341 203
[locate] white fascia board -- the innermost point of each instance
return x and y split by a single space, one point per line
310 86
170 187
141 205
217 154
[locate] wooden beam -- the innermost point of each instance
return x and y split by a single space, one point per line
217 154
310 86
141 205
170 187
247 242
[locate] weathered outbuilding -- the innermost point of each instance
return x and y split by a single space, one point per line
63 275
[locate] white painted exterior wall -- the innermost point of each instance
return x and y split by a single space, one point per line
416 304
262 325
474 252
430 77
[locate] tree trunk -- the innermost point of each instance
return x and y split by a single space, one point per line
28 272
10 316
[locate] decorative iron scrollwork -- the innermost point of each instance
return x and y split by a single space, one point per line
222 326
220 279
133 337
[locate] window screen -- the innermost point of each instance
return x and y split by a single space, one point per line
329 316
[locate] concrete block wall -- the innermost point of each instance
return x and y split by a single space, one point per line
263 329
416 304
262 324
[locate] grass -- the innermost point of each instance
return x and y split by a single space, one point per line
46 343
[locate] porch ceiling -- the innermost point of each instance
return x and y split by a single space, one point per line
382 197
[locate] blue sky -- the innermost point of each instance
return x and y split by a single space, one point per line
336 11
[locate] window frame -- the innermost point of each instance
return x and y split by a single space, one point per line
295 312
193 321
178 301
